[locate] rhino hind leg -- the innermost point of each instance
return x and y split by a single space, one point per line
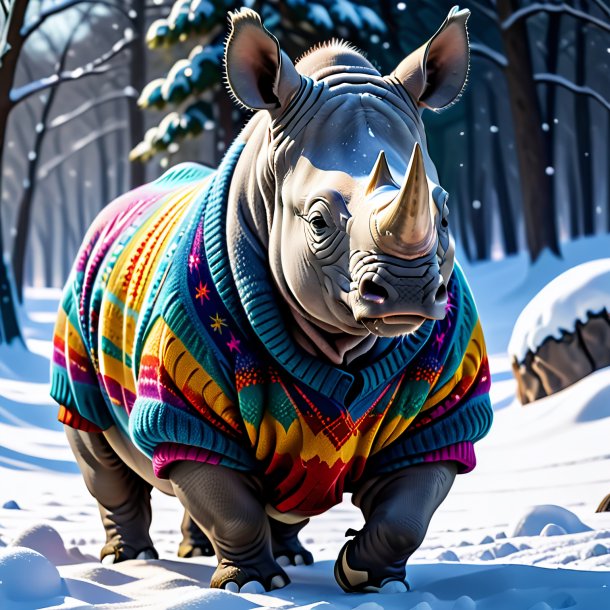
397 509
226 505
123 497
194 542
285 543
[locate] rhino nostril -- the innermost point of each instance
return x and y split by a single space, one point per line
371 291
441 293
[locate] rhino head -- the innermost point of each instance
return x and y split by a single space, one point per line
336 182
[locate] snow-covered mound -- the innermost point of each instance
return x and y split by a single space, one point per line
563 334
26 575
555 520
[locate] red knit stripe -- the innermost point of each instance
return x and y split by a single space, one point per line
72 418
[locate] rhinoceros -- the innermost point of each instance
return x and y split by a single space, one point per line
258 339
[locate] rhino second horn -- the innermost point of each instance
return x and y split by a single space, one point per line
381 175
404 226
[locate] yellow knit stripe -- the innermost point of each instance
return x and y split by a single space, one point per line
300 440
148 246
189 377
127 284
471 362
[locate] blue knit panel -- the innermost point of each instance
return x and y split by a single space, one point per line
152 422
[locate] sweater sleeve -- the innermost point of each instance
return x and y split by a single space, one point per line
180 412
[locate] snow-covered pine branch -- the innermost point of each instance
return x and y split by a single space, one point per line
62 119
476 48
97 66
555 79
59 7
539 7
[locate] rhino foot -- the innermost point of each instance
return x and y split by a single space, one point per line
194 542
117 553
239 579
188 550
353 580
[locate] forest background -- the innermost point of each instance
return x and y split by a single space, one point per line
99 96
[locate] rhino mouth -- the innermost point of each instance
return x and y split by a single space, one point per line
393 325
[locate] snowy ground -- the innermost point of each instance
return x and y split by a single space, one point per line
486 548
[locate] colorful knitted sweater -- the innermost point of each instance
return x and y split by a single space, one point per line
156 335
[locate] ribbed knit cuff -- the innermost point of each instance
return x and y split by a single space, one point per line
462 453
166 454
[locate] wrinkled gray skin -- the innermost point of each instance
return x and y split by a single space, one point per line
336 185
315 198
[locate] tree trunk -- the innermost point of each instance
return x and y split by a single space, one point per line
553 53
532 154
10 47
137 76
507 220
582 128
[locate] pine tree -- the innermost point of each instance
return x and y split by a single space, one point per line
193 87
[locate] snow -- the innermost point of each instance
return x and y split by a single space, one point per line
518 533
26 575
572 296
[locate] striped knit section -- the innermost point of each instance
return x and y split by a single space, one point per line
72 418
157 336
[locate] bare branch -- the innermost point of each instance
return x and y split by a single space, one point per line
4 6
128 92
603 7
59 7
566 84
79 145
97 66
483 10
539 7
488 53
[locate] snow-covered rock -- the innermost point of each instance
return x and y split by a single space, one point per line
563 333
534 521
572 296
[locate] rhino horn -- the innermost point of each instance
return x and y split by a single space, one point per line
381 175
404 226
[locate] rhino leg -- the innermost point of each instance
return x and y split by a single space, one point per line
397 509
227 506
285 543
194 542
123 497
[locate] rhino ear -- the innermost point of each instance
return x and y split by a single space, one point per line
260 75
436 73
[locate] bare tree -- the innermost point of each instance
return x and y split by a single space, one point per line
16 34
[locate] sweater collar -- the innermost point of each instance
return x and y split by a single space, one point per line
250 297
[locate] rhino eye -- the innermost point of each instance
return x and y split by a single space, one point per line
318 223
